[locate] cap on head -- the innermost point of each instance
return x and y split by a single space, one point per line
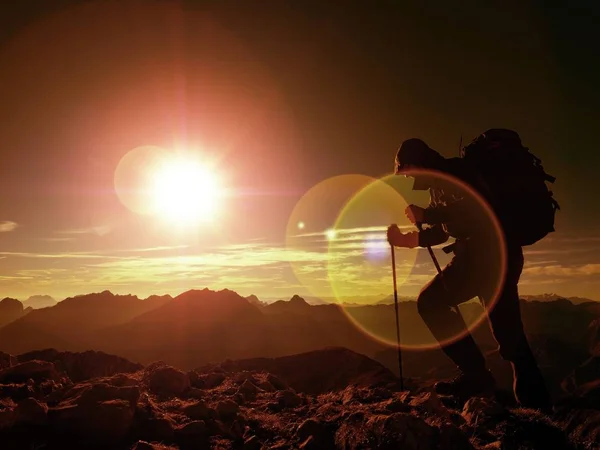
415 152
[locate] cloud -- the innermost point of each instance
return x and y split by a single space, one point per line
99 230
561 270
8 226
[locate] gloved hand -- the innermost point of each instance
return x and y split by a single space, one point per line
415 214
395 237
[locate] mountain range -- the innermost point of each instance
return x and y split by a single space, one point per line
203 326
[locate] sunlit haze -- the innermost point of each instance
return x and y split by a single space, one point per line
155 147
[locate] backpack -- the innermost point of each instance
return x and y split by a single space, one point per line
514 182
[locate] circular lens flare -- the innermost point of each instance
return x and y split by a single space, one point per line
361 262
307 250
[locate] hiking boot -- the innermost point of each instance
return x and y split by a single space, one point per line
529 387
468 384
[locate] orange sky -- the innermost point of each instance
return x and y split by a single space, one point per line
283 98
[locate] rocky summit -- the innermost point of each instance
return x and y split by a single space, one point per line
261 404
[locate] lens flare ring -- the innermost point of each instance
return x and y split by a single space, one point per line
376 252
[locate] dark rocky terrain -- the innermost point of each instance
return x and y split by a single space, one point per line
234 372
333 398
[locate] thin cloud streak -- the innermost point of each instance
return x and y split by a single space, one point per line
7 226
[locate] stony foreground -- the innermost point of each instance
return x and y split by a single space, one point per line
93 400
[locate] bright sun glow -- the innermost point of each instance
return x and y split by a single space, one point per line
185 192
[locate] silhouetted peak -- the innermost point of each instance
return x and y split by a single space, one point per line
254 300
208 295
39 301
10 304
104 298
297 300
200 305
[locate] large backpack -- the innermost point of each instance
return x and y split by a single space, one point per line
514 182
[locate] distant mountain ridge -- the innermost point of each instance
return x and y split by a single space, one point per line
39 301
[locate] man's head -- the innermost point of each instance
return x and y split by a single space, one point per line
414 153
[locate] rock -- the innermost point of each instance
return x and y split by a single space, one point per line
35 370
452 437
198 411
430 403
252 443
195 393
31 412
309 444
399 430
240 377
7 360
143 445
196 380
276 382
7 415
107 422
120 380
98 412
192 435
212 380
395 405
481 410
16 392
248 390
155 429
89 394
168 380
289 399
349 396
309 427
227 409
84 365
266 386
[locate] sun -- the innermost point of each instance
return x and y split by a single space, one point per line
185 191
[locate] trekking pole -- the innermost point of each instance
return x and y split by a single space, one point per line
397 318
433 258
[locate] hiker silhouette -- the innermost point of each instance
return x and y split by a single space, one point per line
466 277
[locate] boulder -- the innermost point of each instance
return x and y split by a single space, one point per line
227 409
7 360
35 370
289 399
399 430
192 435
248 390
167 380
31 412
478 411
106 422
97 412
143 445
82 366
7 414
252 443
16 392
430 403
198 411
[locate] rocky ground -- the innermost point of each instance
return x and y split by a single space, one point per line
54 400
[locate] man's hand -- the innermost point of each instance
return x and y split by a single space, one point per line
395 237
415 214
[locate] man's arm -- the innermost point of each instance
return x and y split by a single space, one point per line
425 238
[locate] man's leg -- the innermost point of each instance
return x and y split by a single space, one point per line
437 304
507 326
